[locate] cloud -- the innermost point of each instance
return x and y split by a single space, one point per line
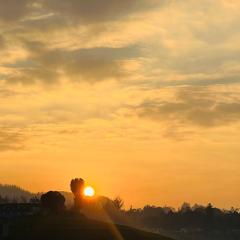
176 50
11 140
93 11
91 65
194 40
2 43
193 106
7 93
13 10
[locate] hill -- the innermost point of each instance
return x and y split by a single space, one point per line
71 226
14 192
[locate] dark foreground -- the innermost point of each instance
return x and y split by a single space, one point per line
72 227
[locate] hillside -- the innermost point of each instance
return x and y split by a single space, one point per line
75 227
14 192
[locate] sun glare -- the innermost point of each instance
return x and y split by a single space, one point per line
89 191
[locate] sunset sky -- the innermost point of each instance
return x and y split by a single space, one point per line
141 98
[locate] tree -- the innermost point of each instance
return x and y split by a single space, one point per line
34 200
186 207
210 216
77 188
53 201
118 203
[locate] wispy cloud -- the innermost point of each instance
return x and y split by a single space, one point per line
11 139
197 106
161 58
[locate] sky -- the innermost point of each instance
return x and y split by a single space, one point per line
141 98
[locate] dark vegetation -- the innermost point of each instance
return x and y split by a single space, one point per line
77 187
196 217
73 226
188 222
197 222
52 220
53 201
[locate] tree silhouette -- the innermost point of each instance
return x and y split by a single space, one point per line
210 216
53 201
118 203
77 187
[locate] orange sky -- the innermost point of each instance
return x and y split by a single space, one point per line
139 98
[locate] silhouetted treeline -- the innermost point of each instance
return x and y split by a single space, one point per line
152 217
187 217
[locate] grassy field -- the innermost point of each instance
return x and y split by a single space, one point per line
74 227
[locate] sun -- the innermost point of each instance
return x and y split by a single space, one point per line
89 191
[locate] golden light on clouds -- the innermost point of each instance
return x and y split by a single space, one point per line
137 97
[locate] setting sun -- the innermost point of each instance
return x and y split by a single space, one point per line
89 191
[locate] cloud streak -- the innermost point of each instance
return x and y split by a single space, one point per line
94 11
14 10
90 65
11 140
192 106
